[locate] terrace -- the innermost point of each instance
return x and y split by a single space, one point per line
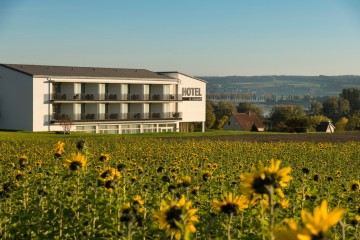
95 117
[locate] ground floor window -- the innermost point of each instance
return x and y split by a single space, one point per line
167 127
130 128
87 129
127 128
109 129
147 128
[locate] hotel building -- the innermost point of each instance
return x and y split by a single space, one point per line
99 100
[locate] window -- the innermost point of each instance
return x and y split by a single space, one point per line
109 129
87 129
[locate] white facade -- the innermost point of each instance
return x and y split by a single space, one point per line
41 98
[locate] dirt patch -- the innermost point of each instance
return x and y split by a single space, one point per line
295 137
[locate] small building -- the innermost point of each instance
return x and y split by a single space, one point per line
325 127
244 122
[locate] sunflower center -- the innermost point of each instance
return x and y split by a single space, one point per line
230 208
259 184
75 165
110 184
320 236
355 187
174 214
106 174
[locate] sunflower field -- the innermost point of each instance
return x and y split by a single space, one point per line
154 188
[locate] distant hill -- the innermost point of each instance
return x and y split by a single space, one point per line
314 86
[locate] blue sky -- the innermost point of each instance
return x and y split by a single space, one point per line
197 37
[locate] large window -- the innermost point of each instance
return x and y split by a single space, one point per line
130 128
109 129
88 129
149 128
167 127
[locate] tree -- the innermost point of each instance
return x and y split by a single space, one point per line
316 120
340 125
353 96
66 125
282 115
316 107
248 107
298 124
354 121
210 115
221 122
224 109
335 108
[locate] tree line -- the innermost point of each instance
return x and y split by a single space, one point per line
342 110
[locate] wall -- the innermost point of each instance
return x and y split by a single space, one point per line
16 104
234 125
193 106
42 107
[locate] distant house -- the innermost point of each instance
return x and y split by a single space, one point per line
244 122
325 127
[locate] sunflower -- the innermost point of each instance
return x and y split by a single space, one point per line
195 190
109 174
206 175
258 183
137 200
231 205
184 182
176 218
23 161
111 184
58 149
322 220
355 186
76 162
104 157
355 220
316 226
19 175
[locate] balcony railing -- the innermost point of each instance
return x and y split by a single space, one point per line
91 117
114 97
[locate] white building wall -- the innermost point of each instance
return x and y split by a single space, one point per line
193 91
16 100
42 107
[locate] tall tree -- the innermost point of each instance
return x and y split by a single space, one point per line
210 115
353 96
248 107
335 108
316 108
282 115
354 121
224 109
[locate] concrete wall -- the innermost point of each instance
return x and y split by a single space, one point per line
42 107
193 106
16 100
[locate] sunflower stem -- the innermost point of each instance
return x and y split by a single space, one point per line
229 226
270 189
343 230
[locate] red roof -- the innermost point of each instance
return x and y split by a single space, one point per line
247 120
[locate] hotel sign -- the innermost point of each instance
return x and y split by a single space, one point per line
191 94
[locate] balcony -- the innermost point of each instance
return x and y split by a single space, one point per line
108 97
133 116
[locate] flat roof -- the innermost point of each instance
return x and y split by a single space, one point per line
69 71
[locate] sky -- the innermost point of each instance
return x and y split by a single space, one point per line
196 37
